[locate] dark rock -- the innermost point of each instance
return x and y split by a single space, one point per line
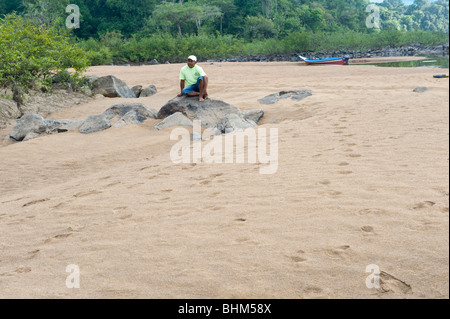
296 95
122 109
29 123
32 125
210 112
30 136
95 123
68 125
153 62
421 89
149 91
131 118
110 86
137 90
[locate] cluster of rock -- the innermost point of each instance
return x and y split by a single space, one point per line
110 86
32 125
296 95
388 51
217 115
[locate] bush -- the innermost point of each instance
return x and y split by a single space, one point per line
166 47
30 54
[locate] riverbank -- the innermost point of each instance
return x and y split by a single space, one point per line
362 180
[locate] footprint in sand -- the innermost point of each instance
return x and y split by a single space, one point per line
88 193
214 194
66 233
344 164
299 257
423 205
338 253
331 193
35 202
121 212
112 184
367 229
325 182
247 241
32 254
390 284
22 270
371 211
312 292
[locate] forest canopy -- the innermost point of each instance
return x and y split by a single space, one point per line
134 31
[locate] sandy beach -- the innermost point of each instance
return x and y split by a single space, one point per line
362 179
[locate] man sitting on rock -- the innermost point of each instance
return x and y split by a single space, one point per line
193 80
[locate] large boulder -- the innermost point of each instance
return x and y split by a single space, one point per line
148 91
95 123
122 109
110 86
137 90
210 112
33 125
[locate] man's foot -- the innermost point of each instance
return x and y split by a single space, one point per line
201 99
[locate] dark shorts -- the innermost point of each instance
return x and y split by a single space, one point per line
194 87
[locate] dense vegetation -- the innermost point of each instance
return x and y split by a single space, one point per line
119 31
32 55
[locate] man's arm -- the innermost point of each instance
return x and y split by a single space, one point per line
182 86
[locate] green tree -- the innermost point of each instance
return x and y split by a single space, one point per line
226 7
32 53
46 12
177 13
260 27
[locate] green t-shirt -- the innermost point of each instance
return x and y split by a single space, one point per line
191 75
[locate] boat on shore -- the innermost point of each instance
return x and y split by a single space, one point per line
328 61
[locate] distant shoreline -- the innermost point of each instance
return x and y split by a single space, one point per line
414 51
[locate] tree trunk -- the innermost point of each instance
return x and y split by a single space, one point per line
18 98
199 24
179 31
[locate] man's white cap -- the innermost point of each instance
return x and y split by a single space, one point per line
193 58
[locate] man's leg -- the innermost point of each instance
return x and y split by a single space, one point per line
191 90
198 89
201 86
